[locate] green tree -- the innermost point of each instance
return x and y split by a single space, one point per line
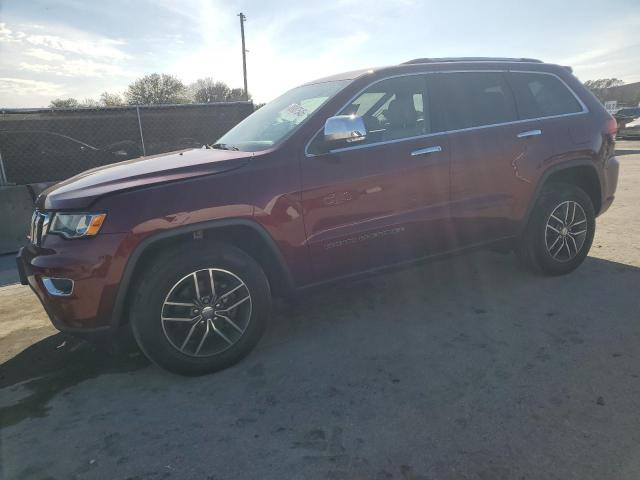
600 86
64 103
156 89
111 99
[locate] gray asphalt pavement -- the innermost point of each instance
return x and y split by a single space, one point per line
467 368
8 271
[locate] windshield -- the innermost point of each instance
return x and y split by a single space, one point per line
276 120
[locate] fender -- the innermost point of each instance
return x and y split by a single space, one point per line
545 176
130 268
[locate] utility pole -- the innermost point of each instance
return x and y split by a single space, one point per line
243 19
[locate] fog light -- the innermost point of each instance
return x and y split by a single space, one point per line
58 287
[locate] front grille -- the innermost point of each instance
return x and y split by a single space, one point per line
39 227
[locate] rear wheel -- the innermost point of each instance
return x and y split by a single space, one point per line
195 313
560 231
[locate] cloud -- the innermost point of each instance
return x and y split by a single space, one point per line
62 39
45 61
99 47
21 86
9 36
45 55
75 68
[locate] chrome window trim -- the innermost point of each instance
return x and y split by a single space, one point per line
427 135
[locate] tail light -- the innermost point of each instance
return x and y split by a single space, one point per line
612 126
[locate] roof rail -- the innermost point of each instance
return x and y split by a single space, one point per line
471 59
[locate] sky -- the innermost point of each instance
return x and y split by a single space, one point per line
81 48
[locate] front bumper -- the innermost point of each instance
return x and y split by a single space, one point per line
93 265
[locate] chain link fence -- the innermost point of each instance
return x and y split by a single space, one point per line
47 145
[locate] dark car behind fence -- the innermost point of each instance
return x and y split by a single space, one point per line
46 145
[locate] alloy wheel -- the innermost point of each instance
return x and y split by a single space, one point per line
566 231
206 312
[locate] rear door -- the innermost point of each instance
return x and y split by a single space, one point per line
477 109
551 122
369 204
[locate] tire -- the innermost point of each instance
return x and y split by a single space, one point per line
540 248
220 332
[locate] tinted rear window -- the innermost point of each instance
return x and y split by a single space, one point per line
540 95
470 99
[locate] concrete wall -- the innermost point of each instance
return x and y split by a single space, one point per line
16 207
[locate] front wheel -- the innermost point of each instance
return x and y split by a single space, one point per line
197 312
560 231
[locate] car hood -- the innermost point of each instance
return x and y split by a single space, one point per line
83 189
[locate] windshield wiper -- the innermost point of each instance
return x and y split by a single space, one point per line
223 146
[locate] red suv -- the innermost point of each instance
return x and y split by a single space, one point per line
348 174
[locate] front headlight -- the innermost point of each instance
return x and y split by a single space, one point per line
76 225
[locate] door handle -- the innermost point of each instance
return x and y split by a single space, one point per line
530 133
425 151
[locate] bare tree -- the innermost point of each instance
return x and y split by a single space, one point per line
159 89
64 103
237 94
156 89
206 90
600 86
111 99
89 102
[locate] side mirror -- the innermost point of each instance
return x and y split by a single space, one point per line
344 129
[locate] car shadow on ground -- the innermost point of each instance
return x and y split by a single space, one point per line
52 365
468 285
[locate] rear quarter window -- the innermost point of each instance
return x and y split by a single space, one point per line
541 95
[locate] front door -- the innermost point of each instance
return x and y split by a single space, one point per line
371 204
